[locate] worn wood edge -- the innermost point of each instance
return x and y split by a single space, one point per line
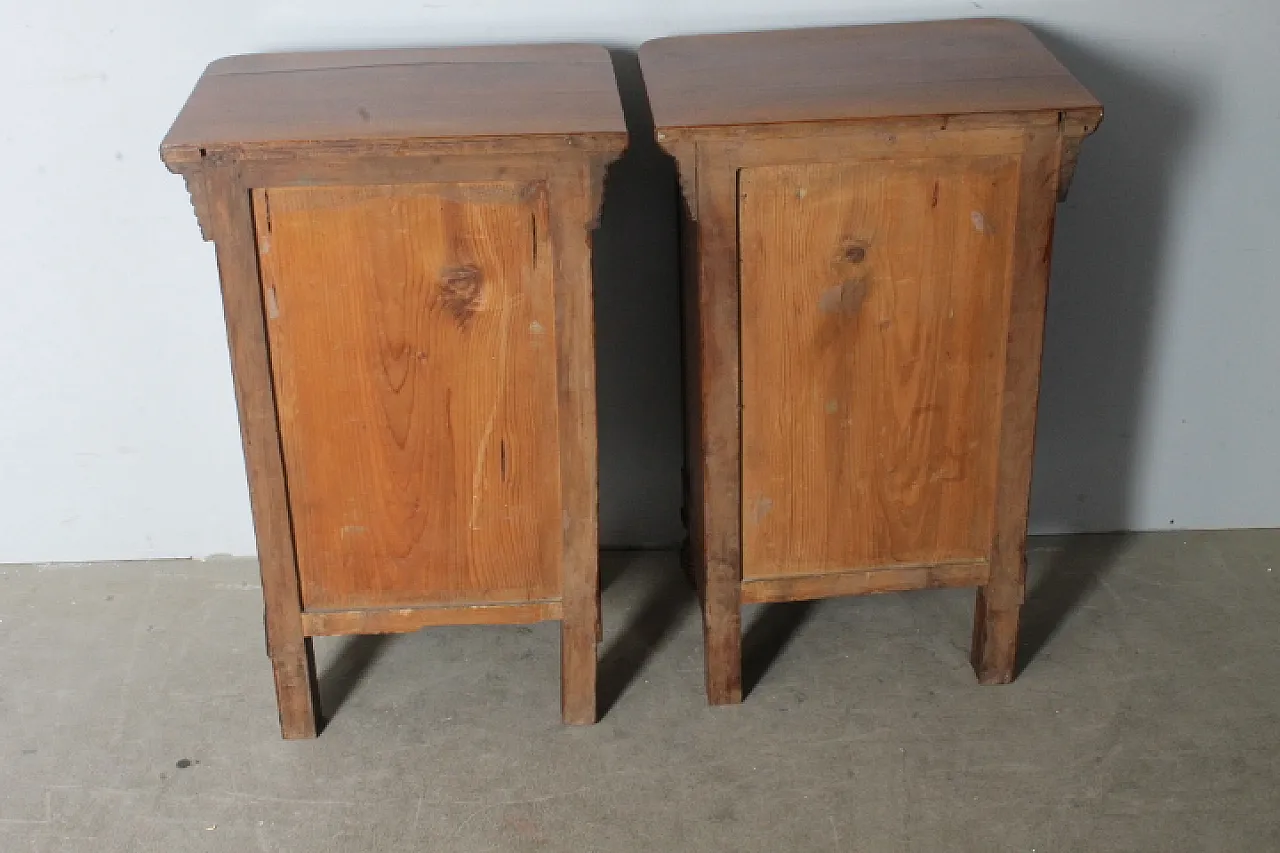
360 166
855 138
999 602
297 692
899 578
423 168
668 135
693 554
575 202
230 211
198 192
183 156
397 620
597 167
1076 125
719 309
322 60
888 147
719 417
1029 269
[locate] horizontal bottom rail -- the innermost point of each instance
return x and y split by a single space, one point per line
396 620
897 578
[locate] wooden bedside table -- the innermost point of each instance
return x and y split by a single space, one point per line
403 241
869 221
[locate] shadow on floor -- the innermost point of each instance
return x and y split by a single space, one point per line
667 602
349 667
769 633
1076 566
1110 273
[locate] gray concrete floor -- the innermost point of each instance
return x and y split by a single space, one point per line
136 714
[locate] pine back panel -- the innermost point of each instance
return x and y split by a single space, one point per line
874 310
412 346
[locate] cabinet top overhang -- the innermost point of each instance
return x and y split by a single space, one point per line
356 99
933 68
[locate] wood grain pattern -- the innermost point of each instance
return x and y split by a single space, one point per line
1075 127
319 623
197 190
693 551
413 341
838 73
888 139
874 300
311 60
319 170
719 461
865 581
573 191
402 237
891 244
363 97
292 659
999 603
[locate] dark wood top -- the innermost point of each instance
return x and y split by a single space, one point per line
833 73
280 100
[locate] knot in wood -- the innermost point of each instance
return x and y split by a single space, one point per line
460 289
853 251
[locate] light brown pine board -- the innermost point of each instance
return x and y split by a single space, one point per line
412 334
874 302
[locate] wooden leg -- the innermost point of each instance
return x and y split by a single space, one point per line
999 606
995 623
716 462
578 671
722 639
231 222
574 192
297 690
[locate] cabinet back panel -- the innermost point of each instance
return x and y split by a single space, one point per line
412 335
874 313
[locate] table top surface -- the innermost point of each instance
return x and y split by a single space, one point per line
836 73
284 99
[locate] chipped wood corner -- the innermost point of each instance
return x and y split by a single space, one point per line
1075 126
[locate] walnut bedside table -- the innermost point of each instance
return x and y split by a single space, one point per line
403 241
869 221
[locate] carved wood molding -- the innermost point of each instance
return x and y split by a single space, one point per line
596 179
198 190
1067 168
1075 127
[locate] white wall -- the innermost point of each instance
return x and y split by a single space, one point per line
1161 402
